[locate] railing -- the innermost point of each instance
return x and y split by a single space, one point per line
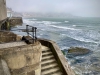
33 30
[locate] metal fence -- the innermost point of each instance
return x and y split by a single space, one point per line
33 30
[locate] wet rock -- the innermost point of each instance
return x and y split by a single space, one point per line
78 51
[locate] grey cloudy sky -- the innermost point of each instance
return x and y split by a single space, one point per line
85 8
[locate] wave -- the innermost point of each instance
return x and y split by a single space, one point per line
82 36
74 25
66 21
50 22
46 22
61 27
33 19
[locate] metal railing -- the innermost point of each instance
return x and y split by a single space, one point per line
33 30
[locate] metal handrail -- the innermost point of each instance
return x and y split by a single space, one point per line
33 32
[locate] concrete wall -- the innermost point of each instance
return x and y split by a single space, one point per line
6 36
63 64
15 21
3 11
21 60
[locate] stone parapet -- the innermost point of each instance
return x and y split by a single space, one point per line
6 36
22 60
15 21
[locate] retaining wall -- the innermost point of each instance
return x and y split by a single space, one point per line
6 36
21 60
15 21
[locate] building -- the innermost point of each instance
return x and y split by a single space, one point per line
3 14
9 12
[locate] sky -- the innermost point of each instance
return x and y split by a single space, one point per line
83 8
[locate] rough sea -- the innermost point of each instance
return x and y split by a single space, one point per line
71 32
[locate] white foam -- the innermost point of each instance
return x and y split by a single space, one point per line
61 27
47 22
34 19
55 22
74 25
66 21
50 22
83 36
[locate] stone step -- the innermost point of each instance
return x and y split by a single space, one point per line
48 62
46 53
51 71
57 73
49 66
47 57
44 48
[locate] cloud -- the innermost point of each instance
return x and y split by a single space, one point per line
76 7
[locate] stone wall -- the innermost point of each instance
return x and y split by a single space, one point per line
6 36
3 11
21 60
15 21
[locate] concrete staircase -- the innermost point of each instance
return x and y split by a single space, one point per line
49 65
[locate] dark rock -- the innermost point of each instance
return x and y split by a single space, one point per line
28 39
78 51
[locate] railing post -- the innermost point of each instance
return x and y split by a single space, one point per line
35 34
27 30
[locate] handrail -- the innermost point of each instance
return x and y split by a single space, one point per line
33 32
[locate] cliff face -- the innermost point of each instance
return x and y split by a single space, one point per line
3 11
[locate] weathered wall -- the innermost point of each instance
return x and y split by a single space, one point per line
21 60
15 21
3 11
6 36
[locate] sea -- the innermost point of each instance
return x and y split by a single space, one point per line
70 32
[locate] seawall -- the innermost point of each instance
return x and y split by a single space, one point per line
15 21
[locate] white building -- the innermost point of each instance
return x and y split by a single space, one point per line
9 12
